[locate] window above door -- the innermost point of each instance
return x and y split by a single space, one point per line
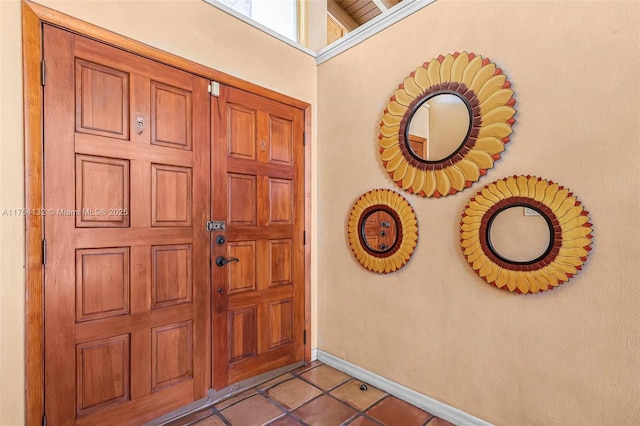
322 31
281 16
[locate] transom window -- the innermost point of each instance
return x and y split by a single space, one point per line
279 15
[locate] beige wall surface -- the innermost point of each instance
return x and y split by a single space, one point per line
11 222
570 356
188 28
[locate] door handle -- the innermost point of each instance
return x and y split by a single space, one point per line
221 261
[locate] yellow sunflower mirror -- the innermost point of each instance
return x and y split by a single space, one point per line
446 124
557 221
382 231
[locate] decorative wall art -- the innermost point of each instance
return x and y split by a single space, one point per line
446 124
569 234
382 231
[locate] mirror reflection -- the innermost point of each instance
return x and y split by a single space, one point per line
438 127
379 231
519 234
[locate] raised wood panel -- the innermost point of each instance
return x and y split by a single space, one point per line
171 354
242 274
242 198
102 100
102 368
242 333
170 116
102 192
280 262
170 195
280 323
281 140
102 283
242 132
171 282
280 201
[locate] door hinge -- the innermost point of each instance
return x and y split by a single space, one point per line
43 73
214 88
44 252
44 420
304 238
304 138
304 337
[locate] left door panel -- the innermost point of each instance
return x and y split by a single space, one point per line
126 178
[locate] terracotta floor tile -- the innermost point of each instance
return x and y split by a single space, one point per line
306 367
211 421
275 381
325 377
350 392
363 421
325 411
286 421
395 412
437 421
232 400
254 411
293 393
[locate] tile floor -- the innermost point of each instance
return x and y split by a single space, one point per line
316 395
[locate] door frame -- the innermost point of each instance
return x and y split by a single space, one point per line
33 18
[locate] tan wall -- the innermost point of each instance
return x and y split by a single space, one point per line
187 28
566 357
11 227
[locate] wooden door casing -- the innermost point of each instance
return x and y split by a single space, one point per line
127 274
258 190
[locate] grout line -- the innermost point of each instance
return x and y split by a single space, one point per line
291 412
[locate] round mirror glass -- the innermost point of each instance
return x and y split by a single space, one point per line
438 127
379 231
519 234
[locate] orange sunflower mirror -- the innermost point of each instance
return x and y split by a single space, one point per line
446 124
561 244
382 231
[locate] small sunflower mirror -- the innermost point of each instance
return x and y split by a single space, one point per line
525 234
382 231
446 124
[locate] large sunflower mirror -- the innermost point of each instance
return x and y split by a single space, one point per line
525 234
446 124
382 231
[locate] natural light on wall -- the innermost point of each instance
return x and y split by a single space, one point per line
278 15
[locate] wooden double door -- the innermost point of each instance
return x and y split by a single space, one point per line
140 163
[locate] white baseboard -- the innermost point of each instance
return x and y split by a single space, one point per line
314 354
437 408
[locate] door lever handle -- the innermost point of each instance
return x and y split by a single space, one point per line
221 261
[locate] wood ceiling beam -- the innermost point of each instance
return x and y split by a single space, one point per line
380 5
389 3
341 16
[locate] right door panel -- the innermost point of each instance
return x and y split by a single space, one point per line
258 190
